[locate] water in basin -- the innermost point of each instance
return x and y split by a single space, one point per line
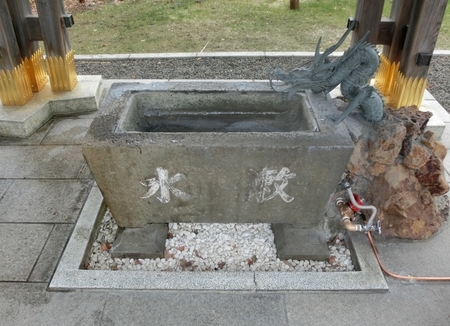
216 112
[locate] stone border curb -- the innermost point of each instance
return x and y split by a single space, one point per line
185 55
68 274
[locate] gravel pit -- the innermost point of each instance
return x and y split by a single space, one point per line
226 247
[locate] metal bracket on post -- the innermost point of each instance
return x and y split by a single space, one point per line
423 59
68 20
350 21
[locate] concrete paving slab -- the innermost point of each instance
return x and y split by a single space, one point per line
34 139
435 107
447 164
190 308
22 121
402 305
67 132
49 257
31 304
69 275
44 201
423 258
20 246
445 138
85 173
51 162
4 185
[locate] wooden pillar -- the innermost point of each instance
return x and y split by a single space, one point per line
423 30
10 54
368 16
403 71
19 10
60 61
31 54
15 88
400 14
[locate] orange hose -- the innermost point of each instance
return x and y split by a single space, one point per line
402 277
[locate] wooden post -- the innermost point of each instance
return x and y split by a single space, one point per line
32 56
60 61
368 16
294 4
404 64
9 50
15 88
19 10
421 37
400 14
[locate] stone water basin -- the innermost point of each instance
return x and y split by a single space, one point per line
215 152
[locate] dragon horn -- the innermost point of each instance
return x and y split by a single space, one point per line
321 58
317 56
356 46
333 48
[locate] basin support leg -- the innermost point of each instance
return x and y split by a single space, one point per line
300 243
146 242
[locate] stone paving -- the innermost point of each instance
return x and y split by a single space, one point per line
44 183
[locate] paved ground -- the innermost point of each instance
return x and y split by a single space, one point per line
44 182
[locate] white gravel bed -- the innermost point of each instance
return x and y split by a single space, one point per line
215 247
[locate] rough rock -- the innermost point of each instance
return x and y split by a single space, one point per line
431 176
430 141
387 141
397 167
415 122
418 156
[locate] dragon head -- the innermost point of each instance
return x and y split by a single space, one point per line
316 76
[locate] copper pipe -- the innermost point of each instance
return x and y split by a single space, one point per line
349 226
403 277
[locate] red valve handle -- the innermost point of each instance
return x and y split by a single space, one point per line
358 201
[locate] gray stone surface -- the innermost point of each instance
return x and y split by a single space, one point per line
49 257
299 243
85 173
31 304
193 309
82 236
33 139
4 185
430 253
146 242
67 132
214 177
20 246
22 121
44 201
414 304
50 162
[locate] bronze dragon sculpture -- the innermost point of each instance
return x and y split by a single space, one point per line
352 70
